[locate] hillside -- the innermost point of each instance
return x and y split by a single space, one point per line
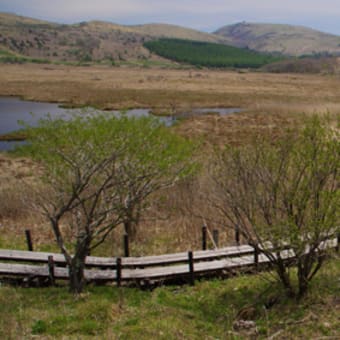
283 39
27 39
85 41
323 65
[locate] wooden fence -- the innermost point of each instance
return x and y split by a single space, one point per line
145 270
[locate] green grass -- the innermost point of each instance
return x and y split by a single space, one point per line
8 57
205 311
208 54
11 58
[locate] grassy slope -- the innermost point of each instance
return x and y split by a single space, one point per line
286 39
207 310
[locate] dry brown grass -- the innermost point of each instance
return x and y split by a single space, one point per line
125 87
173 226
170 225
13 168
16 214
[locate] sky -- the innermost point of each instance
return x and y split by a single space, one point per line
204 15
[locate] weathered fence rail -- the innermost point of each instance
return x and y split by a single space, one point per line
179 266
132 262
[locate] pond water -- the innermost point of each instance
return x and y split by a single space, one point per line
13 110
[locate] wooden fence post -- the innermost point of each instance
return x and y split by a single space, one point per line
204 237
51 270
126 245
29 240
216 237
191 268
256 257
119 271
237 235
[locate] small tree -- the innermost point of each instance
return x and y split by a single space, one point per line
286 193
99 170
154 159
78 198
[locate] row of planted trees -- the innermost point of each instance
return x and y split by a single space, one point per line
208 54
102 171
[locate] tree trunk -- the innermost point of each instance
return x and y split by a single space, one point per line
77 267
302 281
285 279
131 230
76 272
303 288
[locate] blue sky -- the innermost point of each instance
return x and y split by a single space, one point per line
207 15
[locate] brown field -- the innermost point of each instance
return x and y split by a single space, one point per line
270 102
119 87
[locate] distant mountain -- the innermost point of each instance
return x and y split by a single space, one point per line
86 41
283 39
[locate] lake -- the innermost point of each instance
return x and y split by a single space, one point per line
13 110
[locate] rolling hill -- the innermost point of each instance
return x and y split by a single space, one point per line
282 39
86 41
27 39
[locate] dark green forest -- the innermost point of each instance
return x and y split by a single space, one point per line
208 54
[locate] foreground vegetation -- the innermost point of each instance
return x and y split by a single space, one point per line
208 54
102 171
211 309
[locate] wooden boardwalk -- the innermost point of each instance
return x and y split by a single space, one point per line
139 270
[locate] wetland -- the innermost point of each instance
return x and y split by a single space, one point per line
15 113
